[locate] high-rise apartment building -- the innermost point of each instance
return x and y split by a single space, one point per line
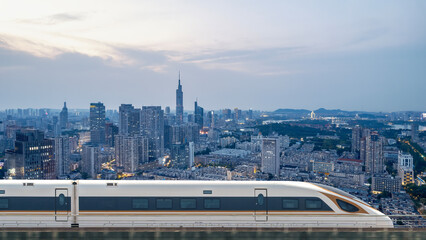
237 114
152 127
110 132
62 155
191 154
130 152
97 123
179 103
371 151
270 156
129 120
90 160
356 140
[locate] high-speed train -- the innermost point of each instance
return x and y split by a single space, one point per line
170 204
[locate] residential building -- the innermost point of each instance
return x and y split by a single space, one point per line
270 156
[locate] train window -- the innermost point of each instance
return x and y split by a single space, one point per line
313 204
61 199
109 203
260 199
4 203
212 203
164 203
140 203
188 203
290 203
347 206
207 191
2 191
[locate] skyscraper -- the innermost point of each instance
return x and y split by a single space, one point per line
270 156
63 117
152 127
97 123
191 154
356 140
226 113
414 132
210 119
110 132
35 155
179 103
198 115
62 155
129 120
372 152
90 160
130 152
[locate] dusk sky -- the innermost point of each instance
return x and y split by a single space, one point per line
352 55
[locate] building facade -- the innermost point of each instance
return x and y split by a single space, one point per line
62 155
129 120
63 117
97 123
381 184
179 103
33 156
405 168
152 127
270 156
131 152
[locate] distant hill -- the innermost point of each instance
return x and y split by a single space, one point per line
291 111
321 111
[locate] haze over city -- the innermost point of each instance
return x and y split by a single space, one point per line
352 55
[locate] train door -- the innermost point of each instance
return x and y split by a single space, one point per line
61 205
261 205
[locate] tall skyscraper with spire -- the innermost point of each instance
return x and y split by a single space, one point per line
63 117
179 103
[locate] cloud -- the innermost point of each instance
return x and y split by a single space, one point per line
54 19
65 17
269 61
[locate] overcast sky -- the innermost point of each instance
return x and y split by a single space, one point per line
352 55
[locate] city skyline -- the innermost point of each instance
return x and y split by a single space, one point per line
265 56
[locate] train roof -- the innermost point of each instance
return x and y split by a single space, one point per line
187 183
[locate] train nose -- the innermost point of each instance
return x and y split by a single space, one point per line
384 222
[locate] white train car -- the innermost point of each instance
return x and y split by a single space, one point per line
102 203
30 203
